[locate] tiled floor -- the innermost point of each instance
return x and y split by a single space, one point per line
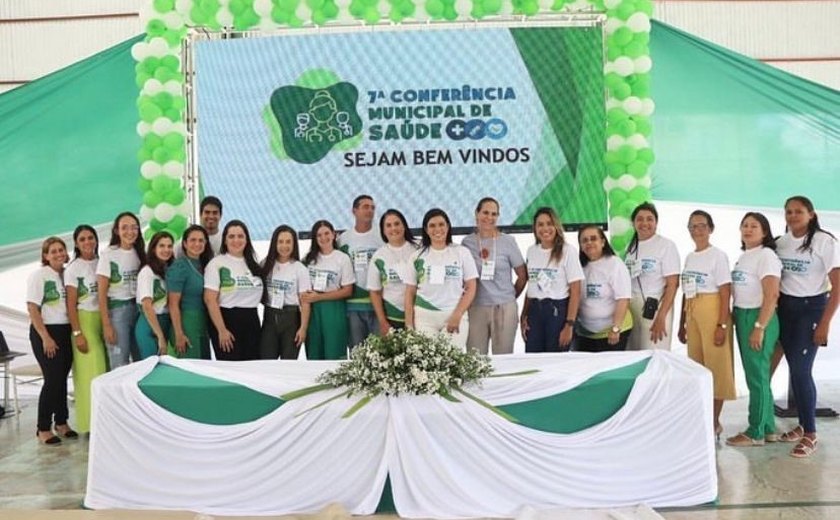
754 483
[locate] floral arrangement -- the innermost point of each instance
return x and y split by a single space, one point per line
404 362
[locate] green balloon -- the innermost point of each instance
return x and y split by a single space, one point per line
318 17
170 62
330 10
645 6
152 141
173 38
640 193
616 196
615 170
616 114
161 155
280 16
179 222
625 209
641 38
357 8
151 199
626 154
179 102
289 6
236 7
643 125
144 184
155 27
315 5
558 5
156 225
149 112
637 169
141 79
163 100
209 6
611 79
613 53
372 15
143 155
619 243
294 21
622 36
492 6
646 155
626 127
178 154
434 8
625 10
530 7
173 114
477 12
175 196
621 91
611 157
151 64
162 74
198 16
407 8
163 6
635 50
162 184
173 141
449 12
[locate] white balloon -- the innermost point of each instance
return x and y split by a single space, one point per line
143 128
644 182
609 184
173 87
463 7
609 67
162 126
158 47
173 20
579 5
638 141
612 4
164 211
224 17
184 7
173 169
632 105
150 169
179 127
152 86
639 22
614 142
139 51
624 66
146 213
642 64
620 226
626 182
263 8
612 24
648 106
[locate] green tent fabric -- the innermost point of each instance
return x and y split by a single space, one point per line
727 130
68 147
731 130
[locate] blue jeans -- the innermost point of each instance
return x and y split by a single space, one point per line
546 319
798 317
362 324
123 319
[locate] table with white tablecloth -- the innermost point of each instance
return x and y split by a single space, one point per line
588 430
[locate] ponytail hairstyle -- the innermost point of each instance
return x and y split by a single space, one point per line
248 253
644 206
813 224
559 237
157 265
314 248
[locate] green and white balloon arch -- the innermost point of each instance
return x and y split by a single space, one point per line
161 104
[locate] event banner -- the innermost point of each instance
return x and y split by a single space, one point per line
292 127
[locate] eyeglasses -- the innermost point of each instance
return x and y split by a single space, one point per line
692 227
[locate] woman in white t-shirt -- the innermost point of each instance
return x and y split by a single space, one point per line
49 334
285 277
391 264
153 325
331 276
810 294
755 291
554 279
233 289
705 321
116 274
604 322
654 265
442 284
89 357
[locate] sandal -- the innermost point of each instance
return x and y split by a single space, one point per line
795 435
806 447
742 440
66 431
52 439
718 431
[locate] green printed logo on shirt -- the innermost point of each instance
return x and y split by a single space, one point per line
158 291
51 293
226 281
116 277
383 274
82 290
420 269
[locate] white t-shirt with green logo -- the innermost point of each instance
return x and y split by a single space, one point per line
45 288
331 272
152 286
360 247
439 275
549 278
120 266
236 285
286 282
81 274
390 266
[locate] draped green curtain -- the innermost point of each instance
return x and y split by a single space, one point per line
731 130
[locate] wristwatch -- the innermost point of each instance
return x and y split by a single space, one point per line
77 333
724 326
570 323
758 325
616 329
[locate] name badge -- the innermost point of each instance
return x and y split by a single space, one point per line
320 282
360 260
437 274
488 269
634 266
544 281
690 287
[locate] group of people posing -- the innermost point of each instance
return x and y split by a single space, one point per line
129 302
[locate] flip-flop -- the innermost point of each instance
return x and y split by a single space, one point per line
795 435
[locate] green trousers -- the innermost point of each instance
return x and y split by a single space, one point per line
327 335
757 370
194 323
87 365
